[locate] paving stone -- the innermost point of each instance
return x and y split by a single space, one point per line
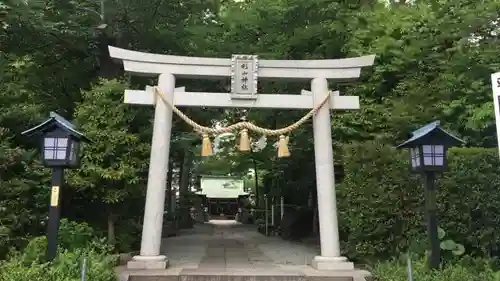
234 252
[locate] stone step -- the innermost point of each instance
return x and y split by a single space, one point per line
218 277
241 275
238 278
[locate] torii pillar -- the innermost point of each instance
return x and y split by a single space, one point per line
244 71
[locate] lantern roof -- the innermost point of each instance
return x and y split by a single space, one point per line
56 121
431 134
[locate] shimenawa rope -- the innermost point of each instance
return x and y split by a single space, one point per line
244 126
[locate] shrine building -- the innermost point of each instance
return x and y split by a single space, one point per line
222 195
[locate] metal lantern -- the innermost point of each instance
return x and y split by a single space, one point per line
428 146
60 142
60 147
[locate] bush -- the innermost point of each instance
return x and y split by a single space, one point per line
76 244
128 235
468 199
381 203
468 270
73 235
35 251
66 267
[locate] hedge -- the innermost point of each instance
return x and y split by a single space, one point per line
381 202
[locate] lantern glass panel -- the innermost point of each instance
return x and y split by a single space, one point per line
73 152
55 148
415 157
433 155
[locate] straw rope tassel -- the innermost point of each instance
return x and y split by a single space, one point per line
206 146
244 140
283 147
244 126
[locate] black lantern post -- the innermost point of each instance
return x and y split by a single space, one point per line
428 146
60 147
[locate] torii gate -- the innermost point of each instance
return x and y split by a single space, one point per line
244 71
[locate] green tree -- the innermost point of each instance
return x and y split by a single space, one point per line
114 165
433 62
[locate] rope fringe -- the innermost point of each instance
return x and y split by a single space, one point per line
244 141
283 147
206 146
244 126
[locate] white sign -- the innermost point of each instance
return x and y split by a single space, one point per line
495 84
244 74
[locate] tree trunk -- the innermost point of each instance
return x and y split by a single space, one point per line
169 204
315 221
108 68
185 217
256 180
111 228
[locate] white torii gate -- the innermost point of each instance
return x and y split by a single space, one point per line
244 71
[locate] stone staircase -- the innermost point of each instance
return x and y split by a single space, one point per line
250 275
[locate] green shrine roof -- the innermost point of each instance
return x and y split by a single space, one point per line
222 187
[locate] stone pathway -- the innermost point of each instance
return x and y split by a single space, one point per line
227 247
228 244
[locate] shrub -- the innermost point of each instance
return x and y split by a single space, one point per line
35 251
468 196
76 243
71 236
471 270
66 267
100 266
74 235
16 270
128 235
381 203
